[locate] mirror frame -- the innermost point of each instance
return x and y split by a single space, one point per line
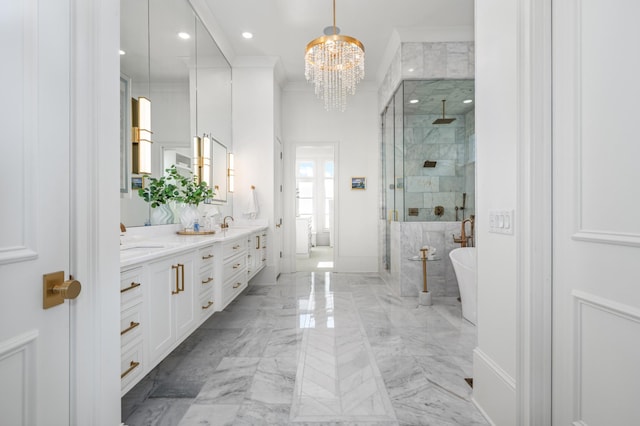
219 178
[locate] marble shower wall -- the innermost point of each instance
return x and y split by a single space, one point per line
406 275
443 185
427 61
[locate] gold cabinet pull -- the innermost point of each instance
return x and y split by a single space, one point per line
236 247
131 287
257 242
209 256
208 305
182 269
132 366
208 280
237 265
236 285
264 260
176 267
264 235
131 327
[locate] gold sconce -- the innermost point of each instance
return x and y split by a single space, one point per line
230 174
202 158
141 135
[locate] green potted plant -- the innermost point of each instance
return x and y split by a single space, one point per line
191 194
158 193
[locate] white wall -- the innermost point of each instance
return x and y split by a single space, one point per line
254 120
356 134
497 176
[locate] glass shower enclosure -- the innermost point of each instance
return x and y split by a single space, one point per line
428 154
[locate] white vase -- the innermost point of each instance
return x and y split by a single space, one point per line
188 215
161 215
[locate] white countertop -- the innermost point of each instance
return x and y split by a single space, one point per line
143 245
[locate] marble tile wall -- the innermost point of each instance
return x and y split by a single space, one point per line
418 61
406 275
443 185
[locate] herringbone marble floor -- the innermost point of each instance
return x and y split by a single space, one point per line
316 348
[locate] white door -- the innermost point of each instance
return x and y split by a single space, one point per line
279 209
34 221
596 246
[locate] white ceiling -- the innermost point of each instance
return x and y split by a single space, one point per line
282 28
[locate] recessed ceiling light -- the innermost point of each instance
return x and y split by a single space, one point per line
122 52
247 35
414 101
467 101
411 70
184 36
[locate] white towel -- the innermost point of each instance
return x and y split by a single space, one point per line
252 205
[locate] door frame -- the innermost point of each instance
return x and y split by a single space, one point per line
534 200
289 213
94 221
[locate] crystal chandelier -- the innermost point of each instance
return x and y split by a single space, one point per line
335 64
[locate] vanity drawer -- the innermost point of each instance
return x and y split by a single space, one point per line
131 367
131 286
232 248
232 287
205 256
206 279
207 305
234 266
131 325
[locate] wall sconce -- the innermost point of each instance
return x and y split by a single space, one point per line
231 174
141 135
202 158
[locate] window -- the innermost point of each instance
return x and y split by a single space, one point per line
314 191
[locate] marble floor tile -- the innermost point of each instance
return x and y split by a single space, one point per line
316 349
159 412
230 382
210 415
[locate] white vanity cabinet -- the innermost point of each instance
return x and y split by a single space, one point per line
207 282
256 253
171 307
234 269
167 292
132 364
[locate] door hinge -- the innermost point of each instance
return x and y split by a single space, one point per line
281 155
280 255
280 188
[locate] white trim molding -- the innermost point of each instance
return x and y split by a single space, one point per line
534 261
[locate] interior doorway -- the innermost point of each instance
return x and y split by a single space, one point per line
315 206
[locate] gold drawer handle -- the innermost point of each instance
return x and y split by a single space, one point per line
209 256
237 265
208 305
131 327
208 280
132 366
131 287
264 260
236 247
264 235
236 285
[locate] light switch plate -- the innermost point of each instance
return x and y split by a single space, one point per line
501 221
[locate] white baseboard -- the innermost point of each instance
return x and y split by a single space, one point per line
494 390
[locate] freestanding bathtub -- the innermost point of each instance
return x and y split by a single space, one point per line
464 264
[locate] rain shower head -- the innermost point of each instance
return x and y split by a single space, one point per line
443 120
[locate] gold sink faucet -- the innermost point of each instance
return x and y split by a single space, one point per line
225 225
